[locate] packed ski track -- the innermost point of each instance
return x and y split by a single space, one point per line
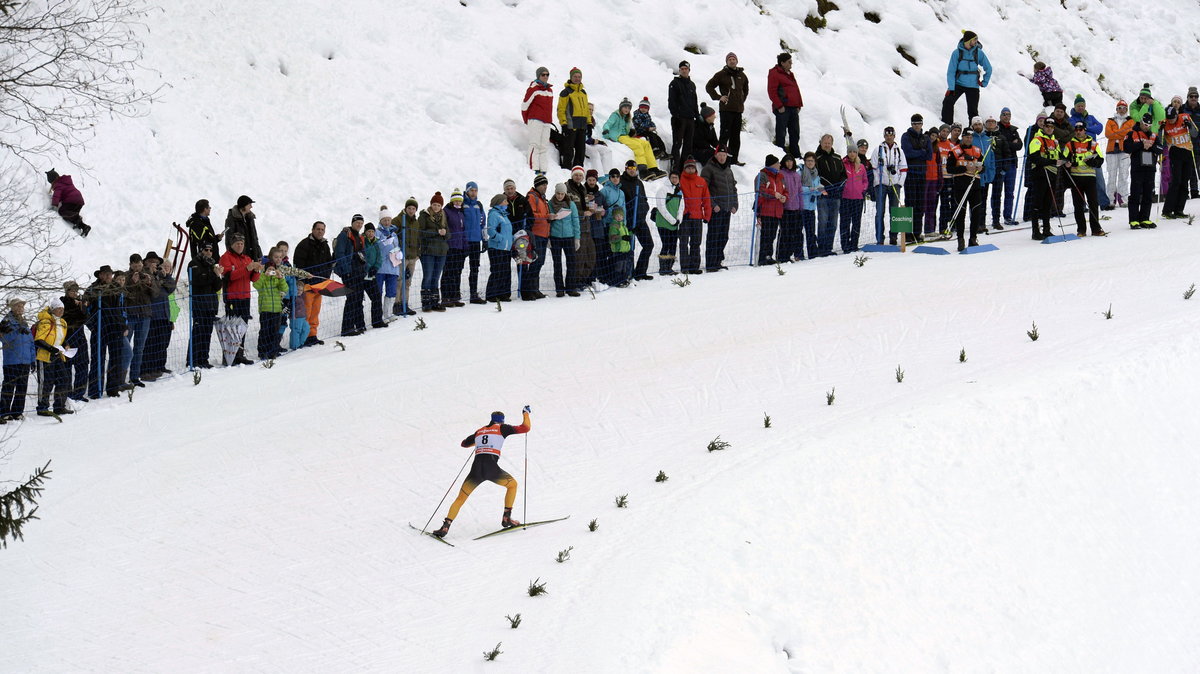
1030 509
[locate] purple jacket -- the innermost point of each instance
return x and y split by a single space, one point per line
795 188
458 232
65 192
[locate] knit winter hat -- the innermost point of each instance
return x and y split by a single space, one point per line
976 120
730 54
630 163
370 227
1192 91
1147 118
507 184
1146 91
614 173
1005 111
593 173
541 179
51 176
625 104
356 218
471 185
576 169
542 70
1079 99
575 70
645 103
384 212
706 112
560 188
969 35
243 201
772 160
456 196
438 199
684 64
411 201
55 304
692 164
1122 104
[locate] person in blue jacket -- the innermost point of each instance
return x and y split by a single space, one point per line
16 337
499 240
1094 128
474 226
962 76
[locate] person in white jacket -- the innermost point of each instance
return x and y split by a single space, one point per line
891 168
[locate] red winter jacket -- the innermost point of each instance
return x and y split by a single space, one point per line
237 277
65 192
697 202
539 103
770 183
783 90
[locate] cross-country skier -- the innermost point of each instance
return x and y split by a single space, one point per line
488 442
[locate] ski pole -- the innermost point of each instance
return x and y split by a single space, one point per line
1053 201
439 505
525 479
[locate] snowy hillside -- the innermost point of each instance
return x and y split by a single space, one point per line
1031 509
319 113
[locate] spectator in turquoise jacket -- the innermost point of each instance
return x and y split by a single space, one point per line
499 240
17 340
564 239
962 76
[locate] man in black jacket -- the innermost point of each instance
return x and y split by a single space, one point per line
75 314
637 207
314 256
730 86
722 186
829 202
205 282
240 220
200 229
1007 144
685 114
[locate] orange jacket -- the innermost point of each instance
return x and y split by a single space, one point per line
1176 133
1115 133
697 202
539 214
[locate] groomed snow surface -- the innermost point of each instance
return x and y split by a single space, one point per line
1029 510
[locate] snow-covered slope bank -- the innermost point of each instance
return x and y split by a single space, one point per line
1028 510
320 112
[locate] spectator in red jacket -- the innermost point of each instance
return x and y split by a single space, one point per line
697 208
772 193
786 103
67 200
536 112
238 271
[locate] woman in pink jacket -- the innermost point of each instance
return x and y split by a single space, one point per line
852 197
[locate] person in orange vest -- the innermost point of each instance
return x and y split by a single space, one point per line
488 441
1178 132
964 165
1045 159
1144 149
1082 161
1115 130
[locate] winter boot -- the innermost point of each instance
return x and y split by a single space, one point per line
441 533
1046 230
961 245
508 522
665 264
973 241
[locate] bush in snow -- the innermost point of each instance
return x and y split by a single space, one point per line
1187 294
593 525
536 588
899 375
564 555
1033 334
13 505
622 501
717 444
513 622
829 396
492 654
661 477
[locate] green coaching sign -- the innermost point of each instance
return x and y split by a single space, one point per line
902 220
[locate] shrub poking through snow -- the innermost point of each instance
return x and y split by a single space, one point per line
593 525
682 282
661 477
196 377
492 654
899 375
829 396
1187 294
717 444
1033 334
1108 314
536 588
513 621
622 501
420 324
860 260
564 555
962 355
766 420
779 269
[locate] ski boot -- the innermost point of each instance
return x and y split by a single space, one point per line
507 522
441 533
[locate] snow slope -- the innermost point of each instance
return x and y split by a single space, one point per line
1028 510
319 113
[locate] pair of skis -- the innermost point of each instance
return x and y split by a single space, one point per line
494 533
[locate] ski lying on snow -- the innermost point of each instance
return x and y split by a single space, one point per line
440 540
518 528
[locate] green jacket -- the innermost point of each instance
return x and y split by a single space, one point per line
433 243
271 289
671 205
374 257
618 237
1137 111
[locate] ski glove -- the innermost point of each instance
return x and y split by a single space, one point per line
526 409
576 244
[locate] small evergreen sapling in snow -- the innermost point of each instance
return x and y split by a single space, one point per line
766 420
622 501
899 375
492 654
717 444
829 396
779 269
593 525
860 260
1187 294
661 477
420 324
962 355
1108 314
1033 334
196 377
536 588
268 364
513 621
681 282
564 555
